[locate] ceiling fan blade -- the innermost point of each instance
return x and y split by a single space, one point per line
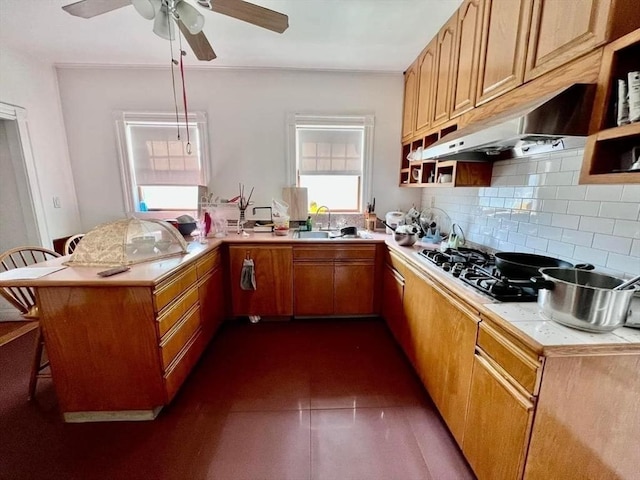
198 43
92 8
250 13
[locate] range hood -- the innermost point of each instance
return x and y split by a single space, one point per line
555 122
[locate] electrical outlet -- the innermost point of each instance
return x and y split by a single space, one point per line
56 202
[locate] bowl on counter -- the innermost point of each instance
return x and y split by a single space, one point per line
187 228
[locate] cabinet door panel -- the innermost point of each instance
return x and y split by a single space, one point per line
313 288
392 311
274 280
353 288
498 425
211 297
408 118
562 31
465 72
447 358
426 81
444 66
505 31
417 308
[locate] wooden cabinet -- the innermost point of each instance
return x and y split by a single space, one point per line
562 31
498 424
335 280
610 149
273 267
450 173
392 300
503 47
446 356
444 71
211 292
409 104
426 82
467 53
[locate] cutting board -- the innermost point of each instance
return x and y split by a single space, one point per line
296 198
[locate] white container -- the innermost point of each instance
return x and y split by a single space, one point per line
394 219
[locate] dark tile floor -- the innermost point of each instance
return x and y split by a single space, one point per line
292 400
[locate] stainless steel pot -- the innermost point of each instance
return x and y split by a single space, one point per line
582 299
405 239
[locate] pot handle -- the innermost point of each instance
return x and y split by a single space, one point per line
541 283
387 225
584 266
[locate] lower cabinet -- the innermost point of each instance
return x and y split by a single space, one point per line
498 423
392 310
273 294
336 280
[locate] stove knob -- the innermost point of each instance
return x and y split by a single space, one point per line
457 269
446 266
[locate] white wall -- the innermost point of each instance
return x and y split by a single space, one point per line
32 85
535 205
247 112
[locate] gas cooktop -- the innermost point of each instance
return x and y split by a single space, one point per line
478 269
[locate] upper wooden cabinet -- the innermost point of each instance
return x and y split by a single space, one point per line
445 56
562 30
426 80
505 31
467 52
409 107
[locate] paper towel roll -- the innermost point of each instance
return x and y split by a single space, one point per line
297 199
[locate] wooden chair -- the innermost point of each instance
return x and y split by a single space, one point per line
24 299
71 243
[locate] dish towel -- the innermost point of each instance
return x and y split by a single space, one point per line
248 275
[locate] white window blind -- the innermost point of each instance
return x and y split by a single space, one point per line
330 150
159 158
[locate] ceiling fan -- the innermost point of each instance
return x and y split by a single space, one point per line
190 22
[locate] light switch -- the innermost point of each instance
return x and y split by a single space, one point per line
56 202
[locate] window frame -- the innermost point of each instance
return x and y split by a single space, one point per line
130 188
354 120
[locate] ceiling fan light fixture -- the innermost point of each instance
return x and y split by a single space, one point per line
163 25
192 19
145 8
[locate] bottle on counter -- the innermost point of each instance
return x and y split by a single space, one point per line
309 224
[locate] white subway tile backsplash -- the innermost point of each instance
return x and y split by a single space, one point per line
622 210
577 237
583 207
630 193
572 192
571 163
596 224
591 255
624 263
559 178
535 205
551 233
540 218
612 244
545 192
546 166
560 249
555 206
627 228
565 221
537 243
608 193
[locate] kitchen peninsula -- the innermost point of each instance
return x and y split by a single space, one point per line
523 398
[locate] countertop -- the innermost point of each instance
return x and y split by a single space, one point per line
522 319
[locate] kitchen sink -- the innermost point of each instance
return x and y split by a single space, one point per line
313 234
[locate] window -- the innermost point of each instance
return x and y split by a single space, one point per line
162 166
330 156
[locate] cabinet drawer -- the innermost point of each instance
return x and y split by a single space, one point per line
174 312
522 366
340 252
186 359
172 287
178 336
208 263
396 262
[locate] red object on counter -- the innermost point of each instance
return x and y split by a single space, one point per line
207 223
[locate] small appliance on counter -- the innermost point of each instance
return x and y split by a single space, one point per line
394 220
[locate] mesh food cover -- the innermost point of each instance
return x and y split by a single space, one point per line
126 242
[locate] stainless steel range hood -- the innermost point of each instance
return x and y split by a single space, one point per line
555 122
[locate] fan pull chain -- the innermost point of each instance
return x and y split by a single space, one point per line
184 94
173 79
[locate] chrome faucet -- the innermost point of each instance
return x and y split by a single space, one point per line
329 219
